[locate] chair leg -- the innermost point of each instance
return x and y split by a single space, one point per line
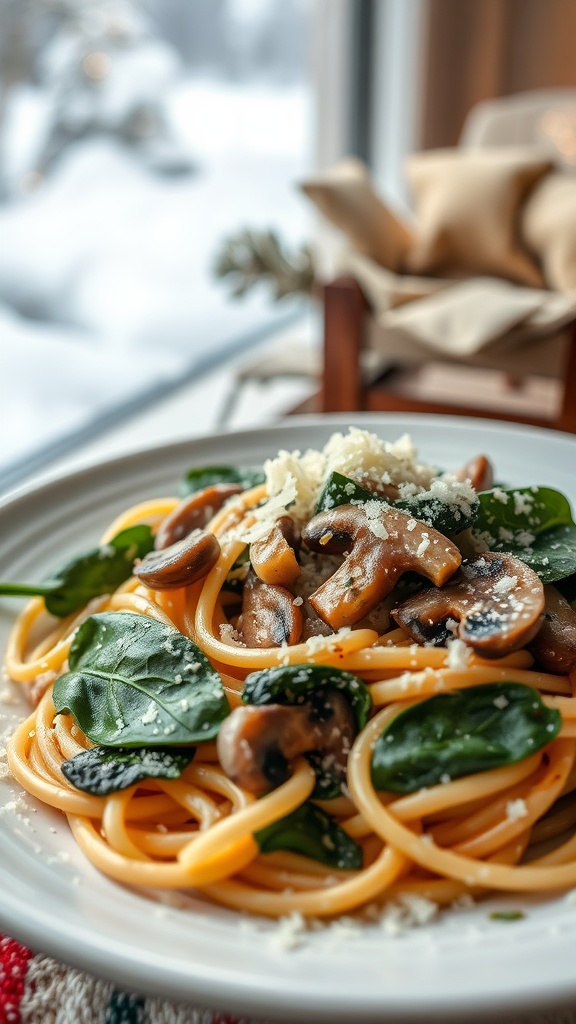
344 310
567 418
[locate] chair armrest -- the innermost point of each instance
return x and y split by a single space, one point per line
567 418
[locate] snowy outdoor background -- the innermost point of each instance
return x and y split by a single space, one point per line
135 137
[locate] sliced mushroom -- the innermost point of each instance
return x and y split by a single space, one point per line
390 492
273 557
269 616
554 645
381 543
479 472
256 745
495 603
193 513
180 564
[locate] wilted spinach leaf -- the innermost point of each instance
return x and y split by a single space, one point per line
533 523
456 734
97 572
448 519
310 831
552 555
295 684
134 682
341 490
207 476
104 770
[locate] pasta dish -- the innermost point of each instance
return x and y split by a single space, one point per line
342 680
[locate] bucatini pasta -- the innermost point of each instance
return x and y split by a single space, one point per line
315 692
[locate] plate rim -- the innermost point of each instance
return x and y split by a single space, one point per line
91 463
370 1010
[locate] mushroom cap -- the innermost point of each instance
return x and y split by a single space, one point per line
380 543
478 471
193 513
496 599
256 744
554 645
179 564
269 616
273 557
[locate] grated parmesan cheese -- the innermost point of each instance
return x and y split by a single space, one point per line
505 584
373 512
408 911
500 495
457 655
295 480
522 503
423 545
151 714
516 809
290 932
314 644
229 635
8 696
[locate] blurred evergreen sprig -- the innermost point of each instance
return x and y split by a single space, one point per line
252 257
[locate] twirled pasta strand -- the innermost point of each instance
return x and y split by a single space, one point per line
198 831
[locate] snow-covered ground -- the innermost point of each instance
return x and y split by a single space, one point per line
106 286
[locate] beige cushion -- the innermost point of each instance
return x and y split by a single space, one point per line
461 320
549 229
346 197
468 206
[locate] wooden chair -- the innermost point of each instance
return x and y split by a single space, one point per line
350 382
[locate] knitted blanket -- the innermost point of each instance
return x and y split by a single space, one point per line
35 989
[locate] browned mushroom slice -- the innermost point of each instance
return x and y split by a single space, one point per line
554 645
496 601
256 745
193 513
273 557
180 564
269 616
479 472
381 543
390 492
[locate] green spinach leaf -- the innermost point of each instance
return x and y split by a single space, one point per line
310 831
97 572
533 523
448 519
295 684
134 682
552 555
341 490
104 770
207 476
460 733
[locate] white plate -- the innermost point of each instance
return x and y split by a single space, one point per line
462 964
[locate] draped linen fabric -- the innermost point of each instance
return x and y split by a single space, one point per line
465 281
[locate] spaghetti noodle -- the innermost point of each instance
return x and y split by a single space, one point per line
469 831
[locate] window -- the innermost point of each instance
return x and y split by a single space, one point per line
136 138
